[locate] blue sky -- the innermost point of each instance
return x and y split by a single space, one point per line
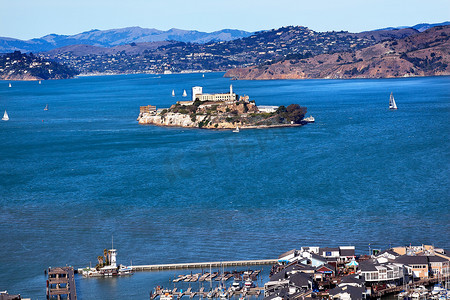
27 19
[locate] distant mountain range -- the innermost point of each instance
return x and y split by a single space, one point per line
419 27
115 37
123 36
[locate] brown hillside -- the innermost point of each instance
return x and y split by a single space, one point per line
422 54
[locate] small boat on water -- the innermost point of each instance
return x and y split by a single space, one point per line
236 130
10 84
309 119
184 93
5 116
46 107
39 82
392 104
173 93
203 75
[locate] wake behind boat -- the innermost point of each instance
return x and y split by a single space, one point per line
392 104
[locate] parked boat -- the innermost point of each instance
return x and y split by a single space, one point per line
236 285
5 116
166 295
248 284
236 130
392 104
184 93
124 270
437 289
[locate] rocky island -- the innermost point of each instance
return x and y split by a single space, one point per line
223 111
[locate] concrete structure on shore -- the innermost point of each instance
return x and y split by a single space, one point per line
197 93
204 265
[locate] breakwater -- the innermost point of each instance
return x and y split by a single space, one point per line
200 265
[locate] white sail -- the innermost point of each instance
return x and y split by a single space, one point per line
392 104
5 116
39 82
173 93
10 85
46 107
184 93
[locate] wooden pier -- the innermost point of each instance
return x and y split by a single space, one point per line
204 265
61 283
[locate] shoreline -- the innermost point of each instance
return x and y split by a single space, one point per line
228 129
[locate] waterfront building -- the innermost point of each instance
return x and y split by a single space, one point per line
374 271
267 108
147 109
312 259
197 93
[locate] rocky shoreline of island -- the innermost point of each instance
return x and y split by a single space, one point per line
223 111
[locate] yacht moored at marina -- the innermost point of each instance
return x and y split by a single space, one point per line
166 295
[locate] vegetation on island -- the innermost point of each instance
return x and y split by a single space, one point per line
219 115
22 66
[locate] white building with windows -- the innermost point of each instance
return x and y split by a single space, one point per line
197 93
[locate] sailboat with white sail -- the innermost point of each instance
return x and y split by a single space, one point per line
10 84
173 93
46 107
5 116
392 104
184 93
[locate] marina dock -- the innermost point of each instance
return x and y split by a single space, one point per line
203 265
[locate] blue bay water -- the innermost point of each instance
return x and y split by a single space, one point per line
83 171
